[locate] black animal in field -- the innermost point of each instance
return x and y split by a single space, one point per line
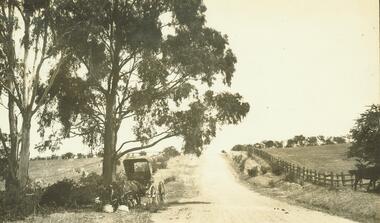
371 173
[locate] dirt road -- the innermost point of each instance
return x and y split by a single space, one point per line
223 199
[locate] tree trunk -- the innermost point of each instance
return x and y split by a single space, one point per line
24 153
109 162
11 178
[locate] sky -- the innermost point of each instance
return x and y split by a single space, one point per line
305 66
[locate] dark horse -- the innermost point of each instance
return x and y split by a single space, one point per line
371 173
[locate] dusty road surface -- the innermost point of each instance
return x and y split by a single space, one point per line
223 199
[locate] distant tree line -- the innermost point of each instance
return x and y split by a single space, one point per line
296 141
68 155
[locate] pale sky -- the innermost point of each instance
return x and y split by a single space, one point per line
305 66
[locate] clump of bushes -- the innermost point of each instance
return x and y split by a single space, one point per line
59 194
69 194
16 205
241 147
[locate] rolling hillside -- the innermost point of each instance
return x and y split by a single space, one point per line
323 158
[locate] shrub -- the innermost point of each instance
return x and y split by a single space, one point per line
241 166
271 184
68 155
90 187
170 152
238 159
291 177
239 148
80 156
253 172
276 169
90 155
59 194
15 205
265 169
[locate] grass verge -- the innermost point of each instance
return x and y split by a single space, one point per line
356 205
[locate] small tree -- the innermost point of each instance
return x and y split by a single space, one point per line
366 137
339 140
311 141
170 152
268 143
299 140
329 141
81 156
290 143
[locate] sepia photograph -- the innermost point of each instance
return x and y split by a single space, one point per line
190 111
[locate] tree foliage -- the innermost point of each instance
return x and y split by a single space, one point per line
143 61
366 137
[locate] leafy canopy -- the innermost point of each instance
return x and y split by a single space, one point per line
366 137
153 63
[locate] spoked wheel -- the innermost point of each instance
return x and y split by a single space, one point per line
161 193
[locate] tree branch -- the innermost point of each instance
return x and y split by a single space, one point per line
118 156
51 82
10 93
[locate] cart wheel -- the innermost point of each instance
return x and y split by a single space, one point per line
161 193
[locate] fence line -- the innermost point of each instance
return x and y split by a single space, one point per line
303 174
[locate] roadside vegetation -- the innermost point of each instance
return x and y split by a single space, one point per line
271 181
71 190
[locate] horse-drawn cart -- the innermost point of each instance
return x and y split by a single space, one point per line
139 171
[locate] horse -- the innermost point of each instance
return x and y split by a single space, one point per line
371 173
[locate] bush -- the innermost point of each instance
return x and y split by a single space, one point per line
238 159
265 169
170 152
277 170
16 206
59 194
239 148
90 187
241 166
253 172
271 184
67 193
80 156
291 177
68 155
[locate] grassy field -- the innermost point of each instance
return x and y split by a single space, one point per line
321 158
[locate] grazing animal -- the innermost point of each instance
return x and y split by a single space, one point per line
371 173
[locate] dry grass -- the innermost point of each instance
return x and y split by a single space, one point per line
321 158
93 217
357 205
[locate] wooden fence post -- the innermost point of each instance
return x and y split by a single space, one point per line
324 179
332 179
337 180
343 179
